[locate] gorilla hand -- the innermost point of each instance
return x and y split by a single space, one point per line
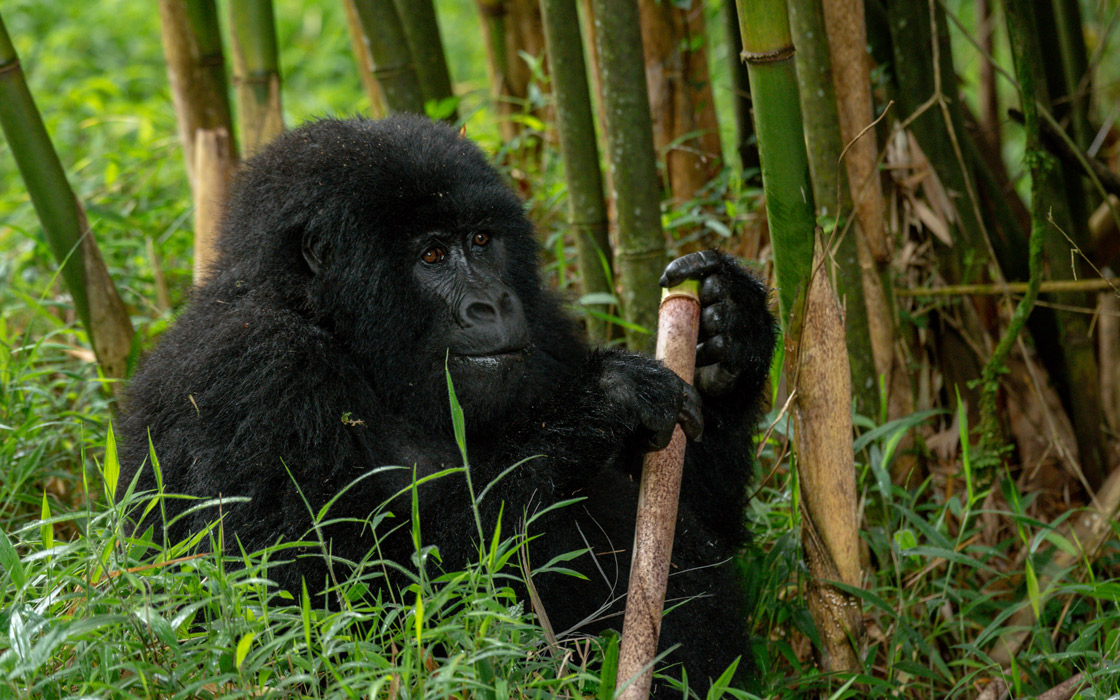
736 331
650 399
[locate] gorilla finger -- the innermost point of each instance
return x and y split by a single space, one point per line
693 265
691 415
715 380
713 319
660 440
711 351
713 290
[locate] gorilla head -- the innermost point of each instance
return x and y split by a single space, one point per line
366 229
357 260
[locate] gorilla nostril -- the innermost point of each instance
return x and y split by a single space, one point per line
480 312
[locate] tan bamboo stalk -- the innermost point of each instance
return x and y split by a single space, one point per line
65 227
1108 343
851 76
364 59
823 440
633 167
192 46
395 66
658 495
213 166
576 128
256 71
685 129
511 28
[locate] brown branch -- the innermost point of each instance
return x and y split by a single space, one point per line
995 288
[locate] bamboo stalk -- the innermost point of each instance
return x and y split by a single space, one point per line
1020 31
364 58
421 29
576 128
213 166
256 71
816 356
1068 352
851 75
741 91
395 66
822 140
633 166
192 47
685 129
65 227
658 495
818 363
1108 344
768 51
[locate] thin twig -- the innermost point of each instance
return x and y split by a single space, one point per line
993 289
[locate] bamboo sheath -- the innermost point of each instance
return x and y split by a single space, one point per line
678 327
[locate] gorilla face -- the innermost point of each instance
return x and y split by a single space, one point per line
431 233
483 324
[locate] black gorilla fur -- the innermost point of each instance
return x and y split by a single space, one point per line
318 345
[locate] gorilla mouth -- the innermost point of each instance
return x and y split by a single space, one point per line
487 357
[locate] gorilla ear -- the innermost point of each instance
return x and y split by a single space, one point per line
312 250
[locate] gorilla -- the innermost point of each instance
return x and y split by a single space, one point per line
359 262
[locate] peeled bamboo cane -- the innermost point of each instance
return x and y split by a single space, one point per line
678 328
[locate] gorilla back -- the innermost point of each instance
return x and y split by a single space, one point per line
359 258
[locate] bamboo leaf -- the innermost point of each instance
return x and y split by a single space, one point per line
46 529
243 647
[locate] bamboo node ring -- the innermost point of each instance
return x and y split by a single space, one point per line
782 54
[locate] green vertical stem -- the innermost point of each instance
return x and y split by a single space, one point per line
768 50
745 142
641 242
822 140
1069 354
257 71
395 66
1075 67
576 128
1020 32
421 28
1063 73
96 301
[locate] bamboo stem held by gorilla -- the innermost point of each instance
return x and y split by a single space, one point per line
678 328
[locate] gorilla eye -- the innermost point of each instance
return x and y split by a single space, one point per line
432 255
480 238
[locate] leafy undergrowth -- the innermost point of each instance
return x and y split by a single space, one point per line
115 614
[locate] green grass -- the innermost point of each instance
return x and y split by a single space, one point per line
88 609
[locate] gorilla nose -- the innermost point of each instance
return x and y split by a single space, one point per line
480 311
489 324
